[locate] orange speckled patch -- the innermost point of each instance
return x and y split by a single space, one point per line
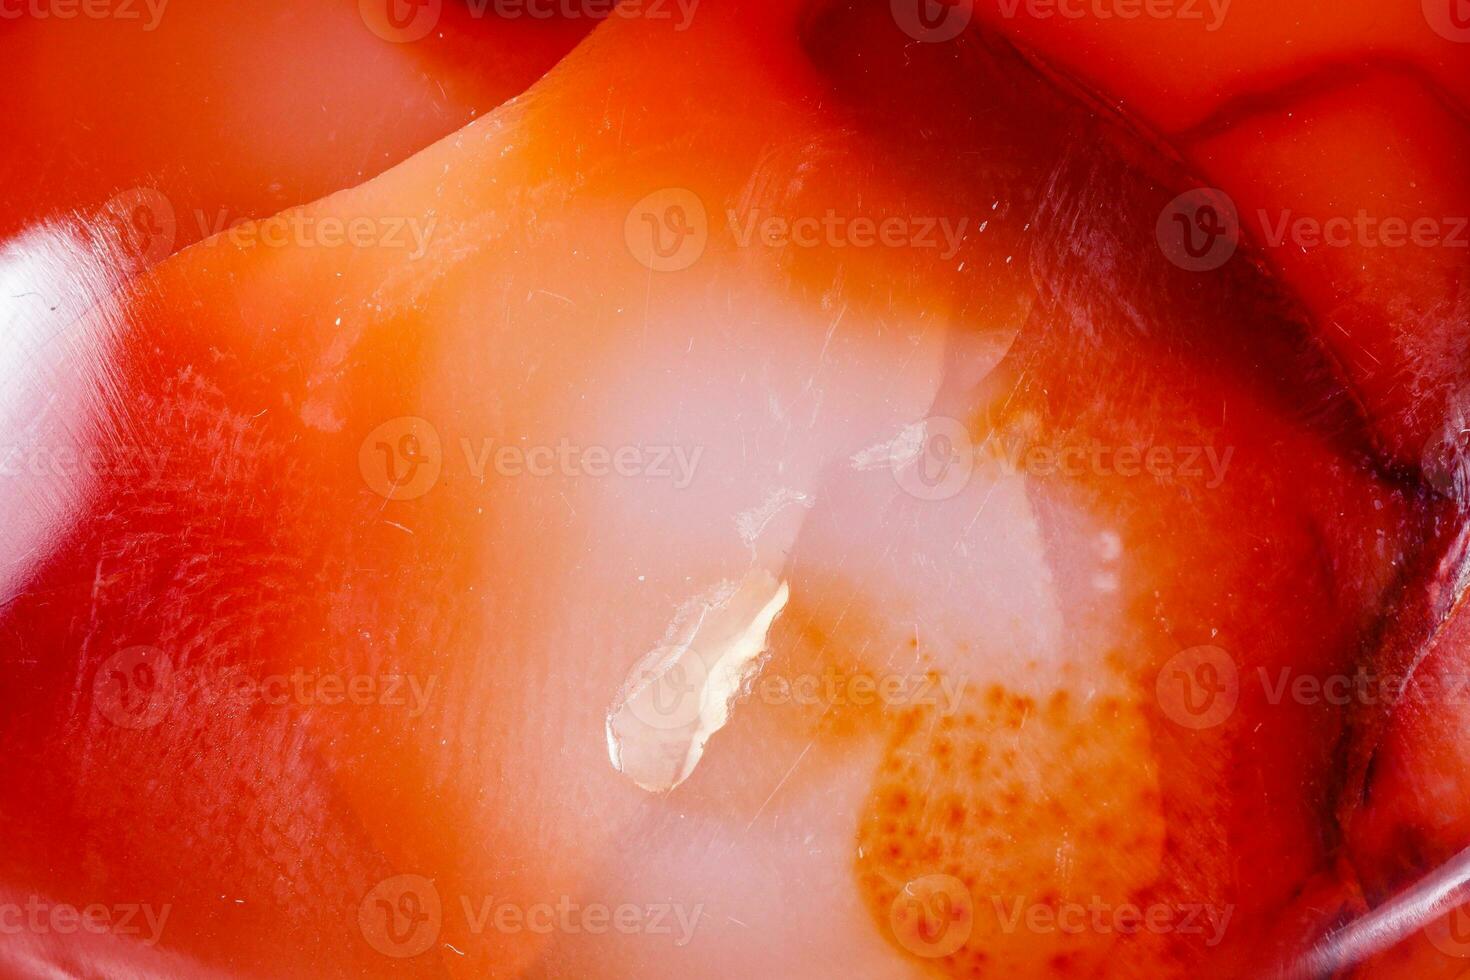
1020 828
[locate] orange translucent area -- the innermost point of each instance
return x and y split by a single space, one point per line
1311 114
296 471
1405 811
1179 64
1356 195
236 111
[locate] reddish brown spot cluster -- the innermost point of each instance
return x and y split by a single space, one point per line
1009 799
